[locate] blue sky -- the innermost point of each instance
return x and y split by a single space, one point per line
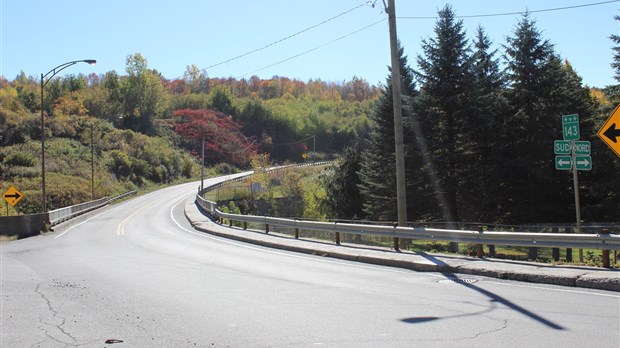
37 35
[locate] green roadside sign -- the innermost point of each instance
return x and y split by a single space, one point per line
563 163
582 148
583 162
561 147
570 127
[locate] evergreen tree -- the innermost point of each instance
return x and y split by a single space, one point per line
377 173
490 104
602 199
343 199
542 89
221 100
445 105
613 91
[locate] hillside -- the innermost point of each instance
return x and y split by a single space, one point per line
144 130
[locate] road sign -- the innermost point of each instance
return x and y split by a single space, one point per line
12 196
582 148
563 163
570 127
583 162
561 147
610 132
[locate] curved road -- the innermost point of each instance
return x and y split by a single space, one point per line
136 274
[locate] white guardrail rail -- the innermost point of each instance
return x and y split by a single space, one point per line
603 241
63 214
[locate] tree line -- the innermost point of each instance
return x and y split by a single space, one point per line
480 126
145 127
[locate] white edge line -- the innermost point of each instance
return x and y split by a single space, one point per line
223 240
83 222
267 250
553 289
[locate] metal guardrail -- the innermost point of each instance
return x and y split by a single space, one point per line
551 240
63 214
603 241
123 195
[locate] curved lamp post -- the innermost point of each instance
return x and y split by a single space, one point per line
44 82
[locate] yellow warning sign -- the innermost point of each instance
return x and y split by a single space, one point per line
12 196
610 132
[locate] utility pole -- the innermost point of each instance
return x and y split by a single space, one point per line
401 197
202 167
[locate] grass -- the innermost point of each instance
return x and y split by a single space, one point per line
7 238
591 257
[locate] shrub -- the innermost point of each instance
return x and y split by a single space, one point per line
20 159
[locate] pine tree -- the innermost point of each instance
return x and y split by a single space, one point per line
613 91
484 181
445 105
377 173
542 89
343 199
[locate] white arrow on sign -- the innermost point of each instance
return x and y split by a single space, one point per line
585 162
562 162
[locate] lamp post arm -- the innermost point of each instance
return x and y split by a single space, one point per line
44 82
61 67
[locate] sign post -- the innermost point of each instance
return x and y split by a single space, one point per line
574 155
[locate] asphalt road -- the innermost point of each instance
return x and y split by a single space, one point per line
137 273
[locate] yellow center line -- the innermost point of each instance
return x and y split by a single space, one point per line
120 230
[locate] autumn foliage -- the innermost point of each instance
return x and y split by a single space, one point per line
222 136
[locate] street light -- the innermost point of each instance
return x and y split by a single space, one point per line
44 82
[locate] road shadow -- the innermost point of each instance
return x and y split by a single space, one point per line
499 299
493 297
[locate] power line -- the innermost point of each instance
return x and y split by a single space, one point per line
466 16
521 12
314 48
288 37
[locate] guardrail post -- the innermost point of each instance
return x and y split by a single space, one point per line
569 251
245 225
555 252
491 246
479 249
337 238
606 264
266 228
396 241
532 253
296 233
229 222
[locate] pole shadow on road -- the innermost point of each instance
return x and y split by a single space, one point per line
494 298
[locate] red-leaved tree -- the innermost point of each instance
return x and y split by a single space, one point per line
223 139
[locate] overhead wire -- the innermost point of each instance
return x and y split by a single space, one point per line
372 3
314 48
433 17
517 13
288 37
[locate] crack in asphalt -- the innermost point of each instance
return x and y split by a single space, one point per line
55 316
503 327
